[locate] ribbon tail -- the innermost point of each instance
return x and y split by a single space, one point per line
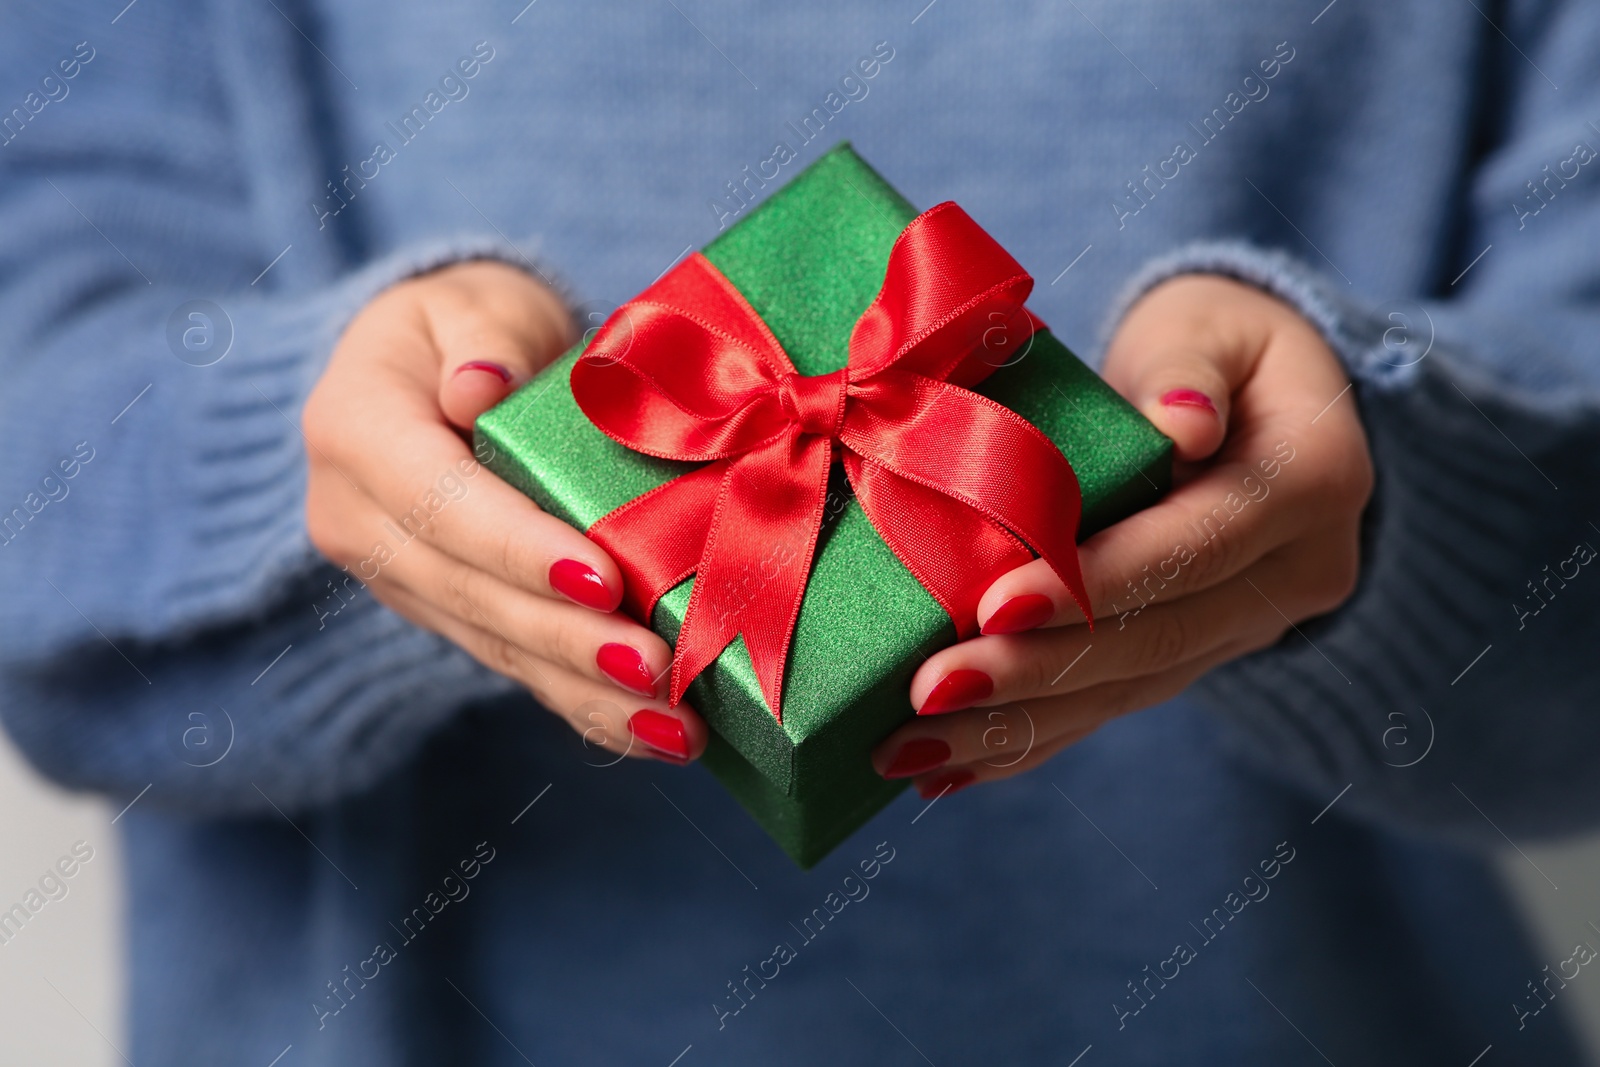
657 539
952 550
752 576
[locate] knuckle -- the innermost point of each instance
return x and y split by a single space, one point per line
1356 479
513 556
1339 576
323 532
1018 762
1216 552
328 534
1030 674
1168 686
968 734
420 519
961 730
1001 731
568 642
505 658
1260 639
1115 699
329 436
315 418
404 608
474 601
1039 662
1167 641
1218 557
1346 487
599 725
1129 699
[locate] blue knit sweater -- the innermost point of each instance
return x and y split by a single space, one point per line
349 844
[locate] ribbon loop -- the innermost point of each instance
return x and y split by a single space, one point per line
959 487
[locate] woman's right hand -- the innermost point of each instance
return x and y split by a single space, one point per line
396 497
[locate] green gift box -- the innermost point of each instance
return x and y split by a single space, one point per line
809 261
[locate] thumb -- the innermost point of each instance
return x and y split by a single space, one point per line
1195 418
471 387
1170 360
487 354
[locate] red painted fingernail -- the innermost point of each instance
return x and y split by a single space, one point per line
661 732
579 583
957 690
1020 613
918 756
945 784
1188 398
624 665
488 368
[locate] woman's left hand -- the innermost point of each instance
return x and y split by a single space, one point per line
1260 532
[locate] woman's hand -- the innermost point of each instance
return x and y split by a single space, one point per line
1261 535
396 496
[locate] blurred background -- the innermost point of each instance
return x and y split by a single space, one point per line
61 975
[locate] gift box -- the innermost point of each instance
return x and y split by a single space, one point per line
792 734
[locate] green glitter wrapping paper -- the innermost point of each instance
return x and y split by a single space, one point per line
810 260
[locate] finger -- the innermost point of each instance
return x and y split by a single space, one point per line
990 671
952 778
605 648
988 744
1202 533
602 716
431 486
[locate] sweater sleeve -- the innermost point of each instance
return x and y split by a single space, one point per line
1454 694
168 624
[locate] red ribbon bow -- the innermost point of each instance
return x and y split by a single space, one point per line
958 486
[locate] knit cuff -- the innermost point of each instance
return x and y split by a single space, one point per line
238 444
210 596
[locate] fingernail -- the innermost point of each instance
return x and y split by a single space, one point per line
580 583
957 690
624 665
945 784
1020 613
663 733
488 368
1188 398
918 756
